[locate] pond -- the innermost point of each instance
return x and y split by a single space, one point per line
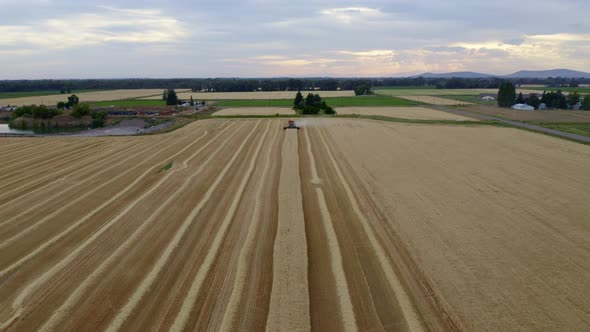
5 129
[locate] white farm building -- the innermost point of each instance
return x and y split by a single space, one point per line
523 107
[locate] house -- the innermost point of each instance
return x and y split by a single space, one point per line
523 107
542 106
577 106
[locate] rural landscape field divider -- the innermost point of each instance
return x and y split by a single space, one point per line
289 298
18 302
42 159
24 153
77 170
51 167
190 299
76 295
39 222
344 299
151 276
244 259
412 319
72 170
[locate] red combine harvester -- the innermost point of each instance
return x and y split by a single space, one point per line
291 125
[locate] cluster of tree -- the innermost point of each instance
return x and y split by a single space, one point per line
98 119
36 112
80 110
553 99
363 89
312 104
531 100
73 100
170 97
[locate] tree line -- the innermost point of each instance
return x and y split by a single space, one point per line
312 104
270 84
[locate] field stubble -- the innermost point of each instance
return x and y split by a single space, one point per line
343 225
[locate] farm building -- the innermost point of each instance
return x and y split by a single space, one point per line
577 106
523 107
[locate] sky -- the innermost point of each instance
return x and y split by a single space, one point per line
42 39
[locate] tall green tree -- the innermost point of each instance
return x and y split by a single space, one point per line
520 98
573 98
534 101
73 100
81 110
363 89
171 98
165 95
506 94
586 103
298 102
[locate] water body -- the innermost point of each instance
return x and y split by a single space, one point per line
5 129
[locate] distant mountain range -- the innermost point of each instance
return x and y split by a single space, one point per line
567 73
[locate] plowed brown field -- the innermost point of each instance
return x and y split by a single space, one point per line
343 225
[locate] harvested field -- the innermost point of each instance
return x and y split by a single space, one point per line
445 92
87 97
255 111
418 113
535 116
256 95
435 100
346 224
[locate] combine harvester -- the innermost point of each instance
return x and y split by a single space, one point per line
291 125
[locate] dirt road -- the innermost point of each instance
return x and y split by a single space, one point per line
343 225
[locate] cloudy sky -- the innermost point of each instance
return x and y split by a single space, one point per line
264 38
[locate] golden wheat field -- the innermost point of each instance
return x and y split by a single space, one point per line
256 95
87 96
446 92
435 100
346 224
255 111
416 113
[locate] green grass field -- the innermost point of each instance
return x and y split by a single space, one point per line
574 128
6 95
128 103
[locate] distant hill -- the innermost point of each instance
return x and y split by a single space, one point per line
567 73
459 74
549 73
